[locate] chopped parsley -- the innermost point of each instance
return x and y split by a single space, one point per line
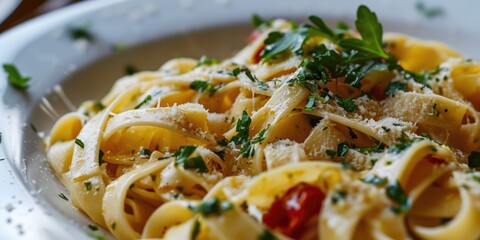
100 156
374 180
62 196
146 100
204 60
80 32
310 103
97 235
342 149
403 143
474 160
92 227
79 143
98 106
130 69
429 12
195 230
201 86
145 153
266 235
347 104
338 196
396 193
15 78
183 157
242 128
259 22
88 185
212 206
394 87
260 136
331 153
113 225
236 71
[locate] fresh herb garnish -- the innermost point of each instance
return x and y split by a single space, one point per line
242 128
429 12
201 86
92 227
145 153
195 230
347 104
394 87
98 106
474 160
331 153
97 235
204 60
338 196
396 193
80 32
183 157
310 103
236 71
15 78
374 180
403 143
260 136
266 235
100 156
62 196
147 99
113 225
213 206
88 185
79 143
342 149
130 69
259 22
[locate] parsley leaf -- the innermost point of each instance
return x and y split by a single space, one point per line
242 128
195 230
347 104
80 32
266 235
260 136
213 206
278 44
201 86
259 22
15 78
429 12
396 193
342 149
145 153
474 160
371 31
322 29
195 163
146 100
79 143
183 156
204 60
62 196
338 196
310 103
88 185
393 87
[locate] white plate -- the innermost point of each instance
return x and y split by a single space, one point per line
154 31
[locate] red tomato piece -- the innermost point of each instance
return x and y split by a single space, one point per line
290 213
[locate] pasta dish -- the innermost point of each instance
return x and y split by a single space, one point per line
309 132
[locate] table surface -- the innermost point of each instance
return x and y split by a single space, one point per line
28 9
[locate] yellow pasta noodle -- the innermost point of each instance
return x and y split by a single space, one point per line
306 133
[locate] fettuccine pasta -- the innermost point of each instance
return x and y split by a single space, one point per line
306 133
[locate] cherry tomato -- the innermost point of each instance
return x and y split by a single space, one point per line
290 213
